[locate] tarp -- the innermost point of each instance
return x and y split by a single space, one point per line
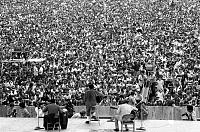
13 60
23 60
36 60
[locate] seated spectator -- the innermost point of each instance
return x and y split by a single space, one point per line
169 101
116 52
104 101
12 112
23 110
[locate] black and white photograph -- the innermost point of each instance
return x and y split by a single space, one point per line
99 65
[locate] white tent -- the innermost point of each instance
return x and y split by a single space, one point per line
13 61
36 60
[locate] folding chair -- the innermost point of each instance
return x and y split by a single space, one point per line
127 120
53 121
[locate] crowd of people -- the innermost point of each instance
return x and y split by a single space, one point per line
120 47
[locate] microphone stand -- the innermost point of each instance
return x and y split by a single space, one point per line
141 128
38 127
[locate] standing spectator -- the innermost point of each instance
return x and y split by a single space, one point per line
131 98
35 72
141 80
160 84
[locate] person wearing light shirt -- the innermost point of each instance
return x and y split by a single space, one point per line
123 109
160 85
38 110
35 71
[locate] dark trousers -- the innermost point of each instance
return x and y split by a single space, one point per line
89 109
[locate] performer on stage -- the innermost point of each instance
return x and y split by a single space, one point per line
91 100
189 114
123 109
52 108
38 109
53 111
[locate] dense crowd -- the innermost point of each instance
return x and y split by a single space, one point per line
120 46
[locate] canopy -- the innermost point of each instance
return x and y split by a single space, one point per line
23 60
36 60
13 60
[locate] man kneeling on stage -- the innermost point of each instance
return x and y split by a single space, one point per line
123 109
190 114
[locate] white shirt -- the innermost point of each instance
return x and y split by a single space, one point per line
160 96
124 109
141 80
35 71
41 70
160 84
39 112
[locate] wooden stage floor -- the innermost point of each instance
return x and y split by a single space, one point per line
78 125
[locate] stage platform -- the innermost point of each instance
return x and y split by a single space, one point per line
78 125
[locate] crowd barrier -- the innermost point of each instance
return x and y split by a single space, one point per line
155 112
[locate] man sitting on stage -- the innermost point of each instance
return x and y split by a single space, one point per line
123 109
52 109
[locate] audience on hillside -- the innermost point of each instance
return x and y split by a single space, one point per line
121 47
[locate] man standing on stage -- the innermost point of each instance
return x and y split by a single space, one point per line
91 100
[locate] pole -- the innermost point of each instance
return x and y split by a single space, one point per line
141 128
1 59
2 67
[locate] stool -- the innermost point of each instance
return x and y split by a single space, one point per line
95 109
